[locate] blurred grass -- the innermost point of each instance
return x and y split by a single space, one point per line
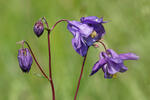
127 31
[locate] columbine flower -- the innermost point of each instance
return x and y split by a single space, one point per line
38 28
111 63
25 59
86 32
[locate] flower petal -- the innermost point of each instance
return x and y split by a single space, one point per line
114 65
129 56
112 53
91 19
83 29
72 29
112 69
99 28
79 45
107 75
116 60
97 66
123 69
103 55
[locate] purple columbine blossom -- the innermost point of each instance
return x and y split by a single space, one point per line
25 59
111 62
86 32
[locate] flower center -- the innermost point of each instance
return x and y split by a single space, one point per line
93 34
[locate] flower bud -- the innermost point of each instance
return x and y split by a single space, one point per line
25 59
38 28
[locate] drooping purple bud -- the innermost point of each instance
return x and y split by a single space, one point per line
38 28
25 59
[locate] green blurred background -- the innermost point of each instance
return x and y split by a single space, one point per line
127 31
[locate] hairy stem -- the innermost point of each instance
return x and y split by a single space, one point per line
81 73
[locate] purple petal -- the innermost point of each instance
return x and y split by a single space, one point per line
112 53
83 29
116 60
129 56
103 55
99 28
123 69
105 70
98 65
113 69
91 19
72 29
107 75
114 65
79 45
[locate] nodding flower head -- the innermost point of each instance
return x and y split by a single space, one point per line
25 59
111 63
38 28
86 32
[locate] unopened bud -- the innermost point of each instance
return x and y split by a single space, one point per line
25 59
38 28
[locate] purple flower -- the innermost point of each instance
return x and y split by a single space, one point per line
25 59
111 63
38 28
86 32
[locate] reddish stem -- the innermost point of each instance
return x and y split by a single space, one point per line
49 51
36 60
58 22
80 77
50 69
103 45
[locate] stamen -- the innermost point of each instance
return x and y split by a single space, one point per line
93 34
114 75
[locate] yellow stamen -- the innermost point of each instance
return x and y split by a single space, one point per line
115 75
93 34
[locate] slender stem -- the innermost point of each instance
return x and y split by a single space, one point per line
36 60
54 24
50 69
103 45
49 51
57 23
81 73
